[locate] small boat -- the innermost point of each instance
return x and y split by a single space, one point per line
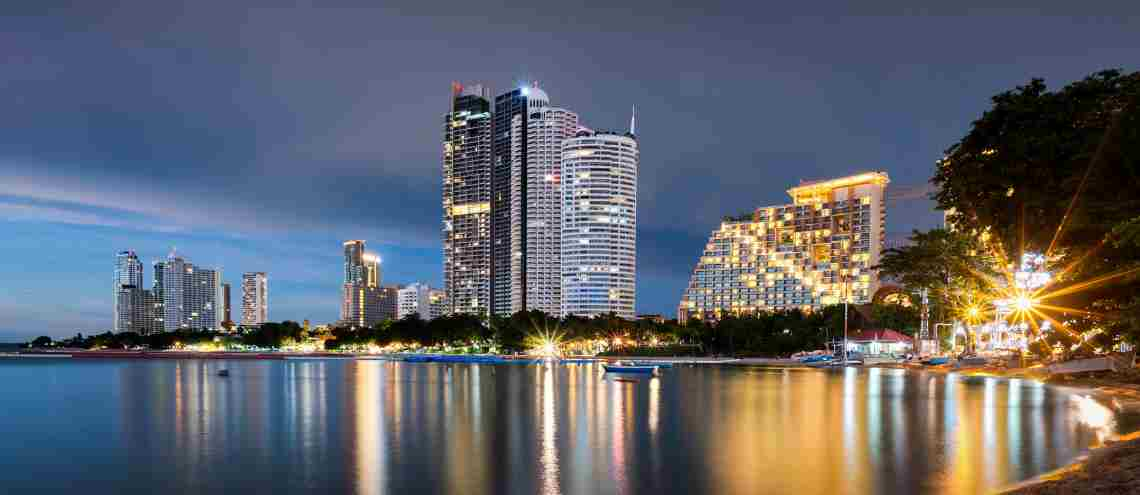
223 373
625 368
655 364
627 380
936 361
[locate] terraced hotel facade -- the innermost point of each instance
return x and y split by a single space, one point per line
811 253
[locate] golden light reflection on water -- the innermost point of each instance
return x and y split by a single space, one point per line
561 429
1094 415
549 432
369 442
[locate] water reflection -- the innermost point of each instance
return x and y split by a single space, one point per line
373 427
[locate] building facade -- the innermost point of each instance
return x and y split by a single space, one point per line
138 310
227 305
128 274
191 296
467 200
254 299
437 304
509 150
599 223
414 299
364 302
816 251
536 272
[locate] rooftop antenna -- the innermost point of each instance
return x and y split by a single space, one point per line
633 121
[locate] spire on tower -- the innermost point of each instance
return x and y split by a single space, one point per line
633 121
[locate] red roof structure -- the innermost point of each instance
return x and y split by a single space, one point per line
882 335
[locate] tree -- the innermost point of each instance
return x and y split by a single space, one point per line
951 264
41 341
1055 173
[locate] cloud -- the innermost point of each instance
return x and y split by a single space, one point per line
291 209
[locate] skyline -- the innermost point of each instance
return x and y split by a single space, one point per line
222 142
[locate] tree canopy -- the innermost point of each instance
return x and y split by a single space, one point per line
1055 172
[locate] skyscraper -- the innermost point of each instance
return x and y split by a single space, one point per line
363 302
599 223
227 307
467 200
128 274
536 275
816 251
508 194
191 296
254 298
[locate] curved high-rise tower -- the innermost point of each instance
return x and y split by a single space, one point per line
599 223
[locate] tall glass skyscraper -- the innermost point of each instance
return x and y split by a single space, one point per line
599 223
466 232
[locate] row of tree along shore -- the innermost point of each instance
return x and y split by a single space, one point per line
762 334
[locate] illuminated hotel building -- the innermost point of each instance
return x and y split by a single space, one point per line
254 299
467 201
599 223
803 255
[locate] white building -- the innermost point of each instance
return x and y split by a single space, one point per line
599 223
541 260
254 298
414 298
191 296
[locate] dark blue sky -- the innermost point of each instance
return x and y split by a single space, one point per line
258 138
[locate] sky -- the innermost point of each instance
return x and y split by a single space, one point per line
254 137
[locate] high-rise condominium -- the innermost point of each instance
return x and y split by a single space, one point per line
510 151
437 304
415 298
363 302
536 274
128 274
191 296
599 223
818 250
137 309
227 308
467 200
254 298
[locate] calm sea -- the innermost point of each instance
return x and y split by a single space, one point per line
373 427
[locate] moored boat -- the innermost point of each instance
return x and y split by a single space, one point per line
626 368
